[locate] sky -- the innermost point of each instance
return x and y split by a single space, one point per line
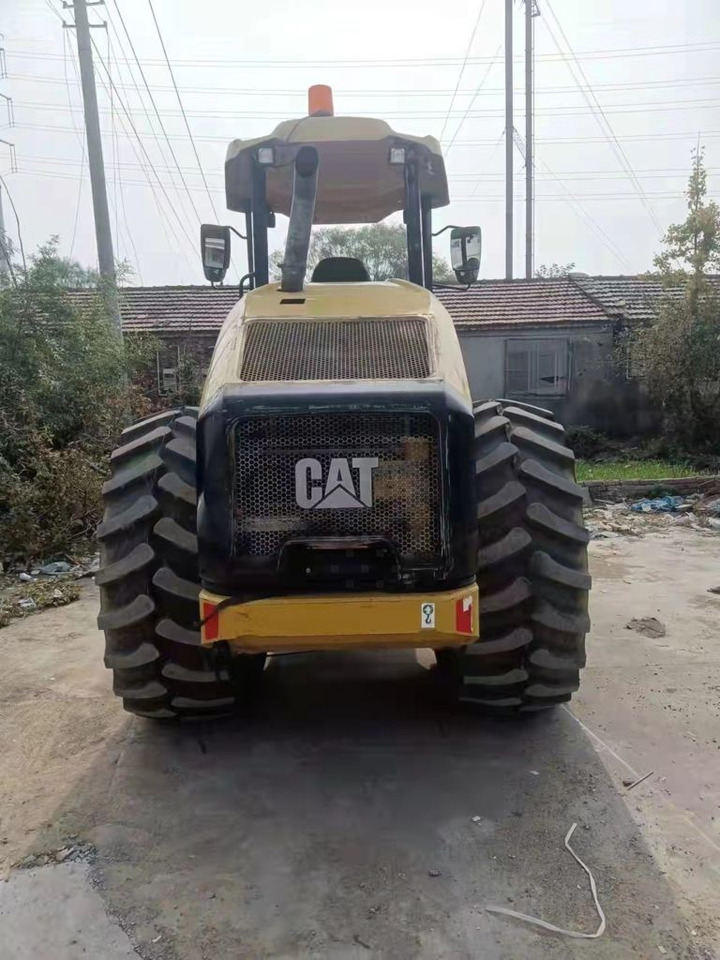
624 90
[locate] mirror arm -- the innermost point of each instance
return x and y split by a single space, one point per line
450 226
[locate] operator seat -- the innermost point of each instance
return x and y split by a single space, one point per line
340 270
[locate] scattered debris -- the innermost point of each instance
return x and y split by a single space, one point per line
658 505
550 926
632 784
476 819
157 939
434 873
56 568
25 577
535 773
361 943
648 627
25 598
71 851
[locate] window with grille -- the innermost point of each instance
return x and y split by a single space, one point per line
536 367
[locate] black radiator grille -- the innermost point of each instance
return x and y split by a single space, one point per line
368 349
405 505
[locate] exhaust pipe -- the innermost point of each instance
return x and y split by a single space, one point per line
297 245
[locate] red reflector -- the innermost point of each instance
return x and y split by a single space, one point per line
211 622
464 615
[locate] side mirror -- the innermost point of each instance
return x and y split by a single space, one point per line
466 253
215 247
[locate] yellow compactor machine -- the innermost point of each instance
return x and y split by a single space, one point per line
338 487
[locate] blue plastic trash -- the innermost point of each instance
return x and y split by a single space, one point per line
659 505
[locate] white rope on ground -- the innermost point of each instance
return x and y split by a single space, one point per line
550 926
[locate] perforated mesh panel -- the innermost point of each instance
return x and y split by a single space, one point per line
406 496
368 349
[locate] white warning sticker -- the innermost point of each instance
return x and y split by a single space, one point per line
427 616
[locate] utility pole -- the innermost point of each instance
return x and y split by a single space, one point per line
4 251
529 139
508 140
103 235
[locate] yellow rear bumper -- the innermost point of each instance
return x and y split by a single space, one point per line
342 621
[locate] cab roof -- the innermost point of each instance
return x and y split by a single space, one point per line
356 182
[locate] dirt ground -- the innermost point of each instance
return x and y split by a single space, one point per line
354 817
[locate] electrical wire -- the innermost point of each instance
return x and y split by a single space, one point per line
113 149
155 109
368 92
666 195
464 117
126 219
81 140
131 123
182 109
590 98
17 221
153 132
462 68
467 178
564 110
378 63
630 138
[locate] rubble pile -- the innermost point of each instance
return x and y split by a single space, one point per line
607 519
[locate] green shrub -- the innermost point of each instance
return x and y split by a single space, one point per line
65 393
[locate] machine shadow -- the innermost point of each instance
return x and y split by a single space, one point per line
354 804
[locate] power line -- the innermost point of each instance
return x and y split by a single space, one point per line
182 108
153 134
126 220
142 147
17 221
81 140
690 135
603 54
678 195
650 173
564 110
464 117
462 68
612 139
161 213
369 92
155 108
113 146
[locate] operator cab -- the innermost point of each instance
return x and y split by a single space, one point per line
323 169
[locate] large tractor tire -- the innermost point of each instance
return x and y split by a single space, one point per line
532 566
149 580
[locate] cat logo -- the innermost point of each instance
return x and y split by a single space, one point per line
339 490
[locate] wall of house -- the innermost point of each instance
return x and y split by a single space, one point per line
593 393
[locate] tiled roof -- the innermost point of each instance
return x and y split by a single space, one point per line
632 299
171 309
501 303
490 303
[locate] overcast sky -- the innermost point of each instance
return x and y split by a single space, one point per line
242 67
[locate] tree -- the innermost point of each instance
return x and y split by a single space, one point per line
680 351
65 394
382 247
547 271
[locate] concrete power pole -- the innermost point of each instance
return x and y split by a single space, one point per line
529 139
103 235
4 252
508 140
